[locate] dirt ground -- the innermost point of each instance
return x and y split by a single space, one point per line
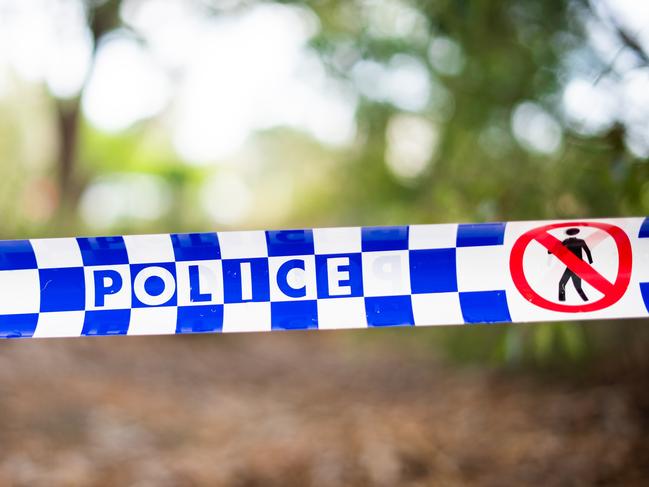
305 409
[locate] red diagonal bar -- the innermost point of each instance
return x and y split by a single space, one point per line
575 264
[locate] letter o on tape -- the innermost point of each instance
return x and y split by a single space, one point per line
167 291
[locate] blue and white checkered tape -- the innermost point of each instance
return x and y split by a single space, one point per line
323 278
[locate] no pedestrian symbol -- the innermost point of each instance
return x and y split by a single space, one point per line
580 265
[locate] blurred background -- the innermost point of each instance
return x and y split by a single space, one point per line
142 116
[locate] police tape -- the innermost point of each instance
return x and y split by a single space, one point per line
325 278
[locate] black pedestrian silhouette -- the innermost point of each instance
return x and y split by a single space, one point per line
574 245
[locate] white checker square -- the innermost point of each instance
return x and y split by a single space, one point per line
153 321
57 252
386 273
149 249
338 313
243 245
242 317
296 278
20 291
115 294
60 324
337 240
207 278
641 258
483 268
432 236
437 309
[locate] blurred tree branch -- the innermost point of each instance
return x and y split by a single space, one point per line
102 18
628 39
630 42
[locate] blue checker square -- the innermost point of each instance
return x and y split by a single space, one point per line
16 254
644 291
294 315
196 246
289 242
485 307
200 319
389 311
103 250
62 289
644 229
478 234
433 271
346 275
154 285
106 322
237 289
18 326
384 238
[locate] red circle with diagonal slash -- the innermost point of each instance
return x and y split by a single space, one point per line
612 291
